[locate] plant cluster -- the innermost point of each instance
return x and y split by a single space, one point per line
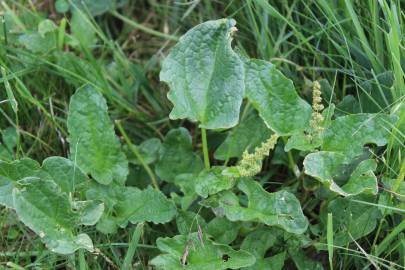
227 213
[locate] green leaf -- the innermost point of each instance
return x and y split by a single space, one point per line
188 222
130 204
302 262
205 76
258 243
280 208
176 156
211 181
93 144
46 210
82 29
10 138
223 230
348 134
250 133
45 27
149 150
355 218
329 166
201 256
95 7
64 172
275 98
10 172
36 43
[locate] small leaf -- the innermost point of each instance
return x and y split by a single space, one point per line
90 211
205 76
176 156
348 134
149 150
93 143
211 181
41 206
208 257
188 222
45 27
82 29
223 230
250 133
329 166
280 208
275 98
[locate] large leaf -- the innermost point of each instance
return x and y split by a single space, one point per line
205 76
250 133
280 208
329 166
64 172
10 172
130 204
176 156
42 206
348 134
211 181
275 98
205 255
93 144
351 220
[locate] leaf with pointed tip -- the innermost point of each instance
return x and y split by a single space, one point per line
42 206
211 181
205 76
348 134
176 156
250 133
275 98
93 143
329 166
280 208
201 256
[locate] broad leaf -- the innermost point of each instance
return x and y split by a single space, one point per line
211 181
130 204
64 172
12 172
275 98
348 134
47 211
205 255
93 144
352 217
188 222
280 208
250 133
223 230
176 156
149 150
258 243
329 166
205 76
302 262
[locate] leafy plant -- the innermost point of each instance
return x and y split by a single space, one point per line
208 209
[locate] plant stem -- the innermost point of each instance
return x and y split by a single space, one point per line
205 148
134 149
